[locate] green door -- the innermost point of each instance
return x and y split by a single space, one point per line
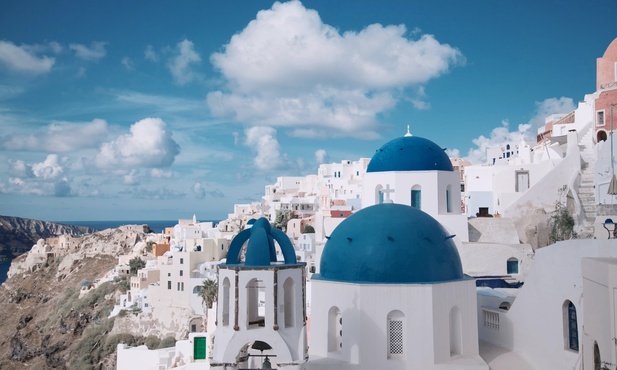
199 348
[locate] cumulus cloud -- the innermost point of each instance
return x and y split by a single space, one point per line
288 68
59 137
499 135
550 106
262 141
47 178
95 52
23 59
200 191
161 174
148 145
502 134
181 65
321 156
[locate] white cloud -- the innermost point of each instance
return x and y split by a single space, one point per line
498 136
150 54
288 68
93 53
550 106
158 173
180 66
59 137
131 178
148 145
262 140
321 156
42 178
23 59
127 63
502 134
453 153
198 190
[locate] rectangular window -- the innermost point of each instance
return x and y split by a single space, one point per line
169 285
181 261
181 272
182 287
178 287
395 337
600 118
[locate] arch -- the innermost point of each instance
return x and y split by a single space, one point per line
225 306
335 330
197 289
570 324
512 266
255 305
601 136
505 305
597 359
289 297
378 194
396 334
456 332
416 196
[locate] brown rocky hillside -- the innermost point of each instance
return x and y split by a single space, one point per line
44 323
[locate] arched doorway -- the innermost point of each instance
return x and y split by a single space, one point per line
601 136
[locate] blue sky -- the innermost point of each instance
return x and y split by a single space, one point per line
148 110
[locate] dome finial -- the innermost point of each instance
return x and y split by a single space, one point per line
408 134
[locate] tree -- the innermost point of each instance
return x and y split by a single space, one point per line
136 264
308 229
209 292
281 219
562 224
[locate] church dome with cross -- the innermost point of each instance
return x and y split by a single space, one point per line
409 153
390 243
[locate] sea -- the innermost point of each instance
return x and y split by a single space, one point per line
158 226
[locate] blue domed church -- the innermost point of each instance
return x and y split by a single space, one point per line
417 172
391 294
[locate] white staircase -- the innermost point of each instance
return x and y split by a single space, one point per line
586 189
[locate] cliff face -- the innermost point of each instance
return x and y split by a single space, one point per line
18 235
51 316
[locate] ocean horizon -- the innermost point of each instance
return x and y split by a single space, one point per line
157 226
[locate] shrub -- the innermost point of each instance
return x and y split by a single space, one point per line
167 342
152 342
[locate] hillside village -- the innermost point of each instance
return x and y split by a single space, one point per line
406 260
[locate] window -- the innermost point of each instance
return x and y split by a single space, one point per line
512 266
449 198
570 326
600 118
226 302
181 272
335 330
289 299
182 287
396 344
456 334
181 261
178 288
169 285
416 196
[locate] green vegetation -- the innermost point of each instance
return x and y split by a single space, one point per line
282 218
209 292
136 264
167 342
561 224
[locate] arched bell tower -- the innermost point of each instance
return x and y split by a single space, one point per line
261 299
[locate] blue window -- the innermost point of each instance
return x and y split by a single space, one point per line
512 266
416 199
572 327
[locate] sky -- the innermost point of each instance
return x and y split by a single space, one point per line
158 110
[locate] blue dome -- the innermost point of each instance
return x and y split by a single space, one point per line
409 153
260 250
388 244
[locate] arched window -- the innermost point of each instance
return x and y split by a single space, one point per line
335 330
416 196
456 332
378 194
396 334
225 302
255 295
601 136
512 266
570 325
289 299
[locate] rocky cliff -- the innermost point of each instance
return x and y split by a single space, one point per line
54 315
18 235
